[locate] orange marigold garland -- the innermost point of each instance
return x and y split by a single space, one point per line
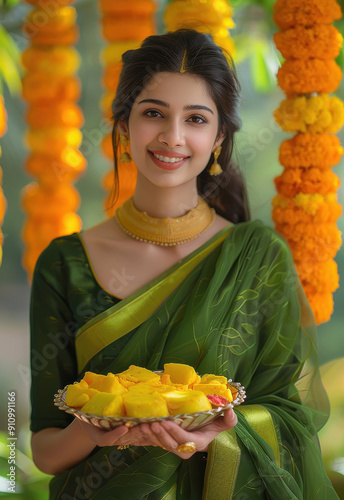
203 15
306 209
125 23
3 203
51 89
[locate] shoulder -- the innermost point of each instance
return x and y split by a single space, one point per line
256 235
57 252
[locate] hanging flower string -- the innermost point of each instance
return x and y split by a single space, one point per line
306 209
206 16
125 23
3 203
51 89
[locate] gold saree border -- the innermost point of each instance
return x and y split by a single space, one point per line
119 319
261 421
222 467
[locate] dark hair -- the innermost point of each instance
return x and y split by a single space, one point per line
226 193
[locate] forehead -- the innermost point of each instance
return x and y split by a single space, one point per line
177 88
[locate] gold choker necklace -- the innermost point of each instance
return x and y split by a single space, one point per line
168 231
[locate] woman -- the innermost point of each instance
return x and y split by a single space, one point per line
170 279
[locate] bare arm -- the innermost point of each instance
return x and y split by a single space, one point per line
55 450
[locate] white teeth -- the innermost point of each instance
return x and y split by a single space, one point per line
167 159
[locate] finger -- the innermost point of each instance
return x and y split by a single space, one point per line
228 421
163 436
109 438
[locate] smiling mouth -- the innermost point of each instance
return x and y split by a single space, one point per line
168 159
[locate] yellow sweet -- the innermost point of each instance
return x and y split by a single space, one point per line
105 404
190 401
144 405
212 379
77 394
142 393
216 388
107 383
146 388
180 373
138 374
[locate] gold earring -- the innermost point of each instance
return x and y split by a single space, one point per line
125 157
216 169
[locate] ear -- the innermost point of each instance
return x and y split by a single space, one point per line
123 128
220 138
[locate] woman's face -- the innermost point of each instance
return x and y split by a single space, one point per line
173 129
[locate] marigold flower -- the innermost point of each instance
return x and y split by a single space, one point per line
40 87
319 242
112 53
43 3
111 76
318 277
288 13
322 306
53 139
308 150
315 114
58 60
132 29
38 232
3 117
56 200
320 41
125 9
65 167
307 208
310 180
208 12
45 38
65 114
3 206
307 76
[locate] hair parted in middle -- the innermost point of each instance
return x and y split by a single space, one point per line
198 55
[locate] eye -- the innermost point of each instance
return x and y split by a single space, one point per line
197 119
152 113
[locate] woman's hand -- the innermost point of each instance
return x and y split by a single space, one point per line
169 435
166 434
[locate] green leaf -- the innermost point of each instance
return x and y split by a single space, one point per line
262 66
7 43
9 72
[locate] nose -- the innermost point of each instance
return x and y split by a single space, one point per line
172 134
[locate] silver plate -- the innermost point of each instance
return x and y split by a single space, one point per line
187 421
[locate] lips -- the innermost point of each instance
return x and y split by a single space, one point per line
164 160
169 154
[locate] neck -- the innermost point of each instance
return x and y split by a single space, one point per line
165 202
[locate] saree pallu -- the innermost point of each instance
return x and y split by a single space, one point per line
235 308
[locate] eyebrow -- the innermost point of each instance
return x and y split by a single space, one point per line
186 108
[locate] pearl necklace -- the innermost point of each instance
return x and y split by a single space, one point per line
169 231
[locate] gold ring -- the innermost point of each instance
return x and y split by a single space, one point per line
188 447
123 447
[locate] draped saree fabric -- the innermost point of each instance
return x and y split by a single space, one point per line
233 307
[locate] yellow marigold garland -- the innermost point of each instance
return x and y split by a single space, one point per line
315 114
51 89
3 203
125 23
208 16
306 208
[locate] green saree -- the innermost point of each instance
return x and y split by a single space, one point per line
233 307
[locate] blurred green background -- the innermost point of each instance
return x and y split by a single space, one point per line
256 152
